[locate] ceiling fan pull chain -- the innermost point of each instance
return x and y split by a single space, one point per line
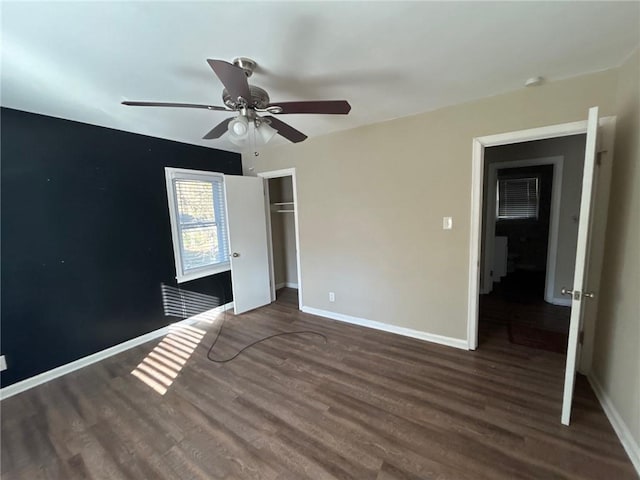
253 134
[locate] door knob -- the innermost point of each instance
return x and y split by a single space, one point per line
235 254
565 291
589 294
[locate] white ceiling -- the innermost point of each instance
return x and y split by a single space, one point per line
79 60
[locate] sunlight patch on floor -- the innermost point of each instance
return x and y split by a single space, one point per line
162 365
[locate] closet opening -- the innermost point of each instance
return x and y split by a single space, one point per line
282 226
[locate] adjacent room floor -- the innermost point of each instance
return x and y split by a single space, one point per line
517 310
365 405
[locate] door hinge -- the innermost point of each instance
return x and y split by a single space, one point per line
599 158
581 337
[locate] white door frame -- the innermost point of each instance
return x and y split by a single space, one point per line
477 180
554 221
286 172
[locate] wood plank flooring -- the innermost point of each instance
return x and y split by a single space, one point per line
533 323
364 405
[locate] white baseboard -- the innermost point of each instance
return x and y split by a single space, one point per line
44 377
407 332
624 434
286 284
280 285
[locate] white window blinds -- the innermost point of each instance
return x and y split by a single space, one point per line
199 227
518 198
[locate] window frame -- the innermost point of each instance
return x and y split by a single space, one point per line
172 174
523 177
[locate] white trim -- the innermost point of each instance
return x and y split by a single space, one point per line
286 172
619 426
531 134
44 377
554 218
477 173
477 180
297 225
280 285
171 173
407 332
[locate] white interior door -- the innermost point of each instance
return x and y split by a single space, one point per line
247 242
580 291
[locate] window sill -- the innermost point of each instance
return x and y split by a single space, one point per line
204 272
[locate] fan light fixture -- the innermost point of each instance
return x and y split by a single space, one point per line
266 132
239 141
238 127
242 131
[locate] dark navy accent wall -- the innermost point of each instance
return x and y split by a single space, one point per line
86 241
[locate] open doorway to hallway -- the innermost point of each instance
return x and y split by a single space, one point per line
530 224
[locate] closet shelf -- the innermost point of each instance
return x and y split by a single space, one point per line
283 207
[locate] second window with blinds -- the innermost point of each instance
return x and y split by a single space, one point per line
517 198
197 213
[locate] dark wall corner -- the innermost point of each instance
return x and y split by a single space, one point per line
86 241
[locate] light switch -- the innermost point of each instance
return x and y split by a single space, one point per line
447 223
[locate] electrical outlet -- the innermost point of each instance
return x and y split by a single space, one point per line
332 297
3 363
447 223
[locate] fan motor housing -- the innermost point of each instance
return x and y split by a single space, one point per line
259 98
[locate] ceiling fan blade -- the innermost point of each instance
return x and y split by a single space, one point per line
334 107
233 78
286 130
180 105
218 130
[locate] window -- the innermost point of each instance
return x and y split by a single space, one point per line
517 198
198 223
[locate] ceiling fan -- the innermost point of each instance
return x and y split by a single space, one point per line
250 101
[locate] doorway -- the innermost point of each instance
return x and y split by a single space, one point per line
530 219
590 241
283 238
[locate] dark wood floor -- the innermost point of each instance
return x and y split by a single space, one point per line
365 405
516 306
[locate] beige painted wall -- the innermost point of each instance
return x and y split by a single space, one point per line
616 361
371 202
572 149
